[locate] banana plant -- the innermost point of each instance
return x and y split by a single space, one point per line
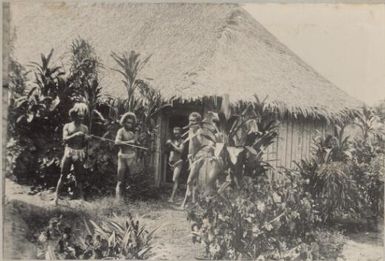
369 124
44 95
239 136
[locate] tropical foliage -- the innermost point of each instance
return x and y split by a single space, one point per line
43 101
105 239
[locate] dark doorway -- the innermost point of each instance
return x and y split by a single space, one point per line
179 121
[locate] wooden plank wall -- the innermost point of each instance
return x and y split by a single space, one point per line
294 142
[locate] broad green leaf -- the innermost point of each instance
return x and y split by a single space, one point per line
251 150
218 149
234 152
112 240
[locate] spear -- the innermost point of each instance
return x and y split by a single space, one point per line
128 144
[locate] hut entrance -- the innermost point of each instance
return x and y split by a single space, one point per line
180 121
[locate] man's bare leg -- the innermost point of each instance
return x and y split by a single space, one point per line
191 181
187 195
121 174
58 187
176 175
194 192
174 188
65 168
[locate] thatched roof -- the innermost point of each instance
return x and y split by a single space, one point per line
197 50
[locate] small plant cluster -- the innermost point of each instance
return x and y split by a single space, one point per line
104 240
265 220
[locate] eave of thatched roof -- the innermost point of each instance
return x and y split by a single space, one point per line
197 50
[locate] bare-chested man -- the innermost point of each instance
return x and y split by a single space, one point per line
201 151
127 154
175 159
75 137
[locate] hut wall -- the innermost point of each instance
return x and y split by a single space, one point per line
294 142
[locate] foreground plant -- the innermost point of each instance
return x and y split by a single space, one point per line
263 221
105 239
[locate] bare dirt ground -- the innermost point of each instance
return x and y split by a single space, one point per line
368 246
172 240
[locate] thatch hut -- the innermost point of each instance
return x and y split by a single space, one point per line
197 51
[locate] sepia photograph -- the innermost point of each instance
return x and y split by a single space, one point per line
193 131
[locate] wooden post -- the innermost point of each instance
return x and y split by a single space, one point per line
6 55
158 152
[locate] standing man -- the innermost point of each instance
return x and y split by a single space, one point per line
175 159
75 140
126 154
201 152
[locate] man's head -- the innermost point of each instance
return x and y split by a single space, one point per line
128 120
194 120
78 112
177 132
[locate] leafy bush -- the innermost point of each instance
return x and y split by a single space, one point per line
104 239
117 241
34 106
265 220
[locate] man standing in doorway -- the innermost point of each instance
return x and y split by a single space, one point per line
175 159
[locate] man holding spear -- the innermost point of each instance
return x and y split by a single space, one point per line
75 137
125 139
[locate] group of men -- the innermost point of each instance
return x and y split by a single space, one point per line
76 135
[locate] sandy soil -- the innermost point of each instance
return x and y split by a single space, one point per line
172 240
367 246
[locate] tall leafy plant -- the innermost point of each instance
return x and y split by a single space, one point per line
84 77
240 136
130 66
36 118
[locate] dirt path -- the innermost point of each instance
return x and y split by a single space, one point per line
367 246
172 240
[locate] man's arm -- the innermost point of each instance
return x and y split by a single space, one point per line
119 139
66 136
178 148
86 133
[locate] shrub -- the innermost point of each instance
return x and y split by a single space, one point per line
104 239
35 121
264 219
119 241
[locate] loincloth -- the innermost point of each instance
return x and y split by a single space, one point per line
74 154
130 155
176 164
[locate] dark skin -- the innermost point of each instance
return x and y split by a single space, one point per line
197 139
128 126
177 170
123 142
75 134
